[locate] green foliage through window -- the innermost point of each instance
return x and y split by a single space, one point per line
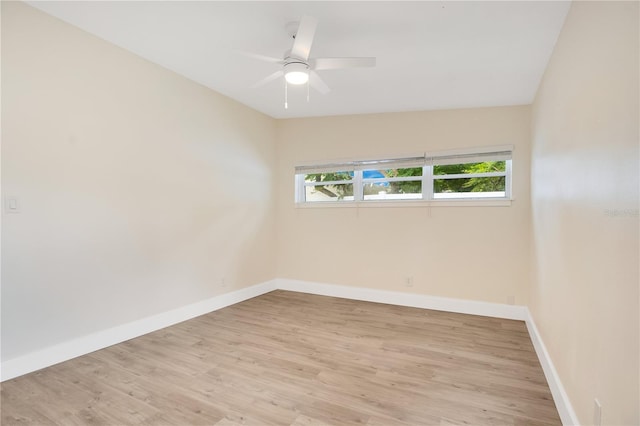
334 191
474 184
328 177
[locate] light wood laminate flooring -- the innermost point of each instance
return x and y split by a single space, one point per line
288 358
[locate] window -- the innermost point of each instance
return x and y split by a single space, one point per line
329 186
478 175
403 183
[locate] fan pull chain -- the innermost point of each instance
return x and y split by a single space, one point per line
286 104
308 84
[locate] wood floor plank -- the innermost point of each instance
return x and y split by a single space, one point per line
288 358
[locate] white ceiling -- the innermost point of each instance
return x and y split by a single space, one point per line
430 55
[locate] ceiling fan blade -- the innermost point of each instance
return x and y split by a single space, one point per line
339 63
317 83
268 79
260 57
304 38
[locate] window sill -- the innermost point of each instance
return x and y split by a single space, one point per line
401 204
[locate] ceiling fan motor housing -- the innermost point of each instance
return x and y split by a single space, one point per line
296 71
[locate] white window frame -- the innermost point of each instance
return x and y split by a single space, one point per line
427 161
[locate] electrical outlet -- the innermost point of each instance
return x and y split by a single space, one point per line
511 300
408 281
597 413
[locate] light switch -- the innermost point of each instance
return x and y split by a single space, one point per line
11 205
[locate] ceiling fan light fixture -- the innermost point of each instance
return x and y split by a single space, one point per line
296 73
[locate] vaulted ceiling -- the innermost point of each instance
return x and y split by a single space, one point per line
430 55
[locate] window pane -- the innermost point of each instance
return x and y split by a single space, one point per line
391 173
319 193
326 177
485 167
482 187
410 190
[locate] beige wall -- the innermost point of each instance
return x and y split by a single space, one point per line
140 190
585 210
479 253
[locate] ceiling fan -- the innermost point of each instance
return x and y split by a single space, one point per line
298 68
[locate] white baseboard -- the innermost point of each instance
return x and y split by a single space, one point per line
413 300
560 397
83 345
